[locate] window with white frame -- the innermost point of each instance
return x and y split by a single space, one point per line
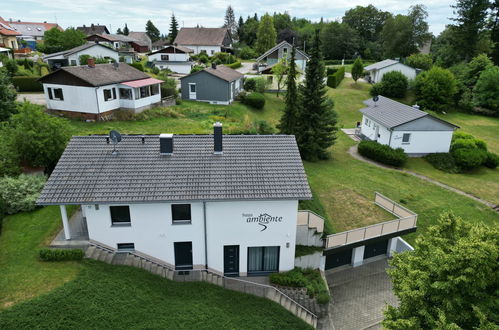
56 94
165 57
109 94
406 138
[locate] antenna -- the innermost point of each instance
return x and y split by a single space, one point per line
375 99
116 138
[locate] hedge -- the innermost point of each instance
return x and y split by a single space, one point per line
335 79
330 71
138 66
310 279
61 254
27 83
382 153
254 100
234 65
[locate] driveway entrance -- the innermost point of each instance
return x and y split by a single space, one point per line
359 295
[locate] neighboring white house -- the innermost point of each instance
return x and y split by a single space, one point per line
72 56
225 203
282 51
377 70
209 40
401 126
94 91
174 58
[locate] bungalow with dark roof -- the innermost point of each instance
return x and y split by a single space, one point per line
216 85
402 126
208 40
93 29
227 204
140 42
95 91
376 71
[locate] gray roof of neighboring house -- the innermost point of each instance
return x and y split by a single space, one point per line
382 64
77 49
181 48
221 72
252 167
34 29
201 36
141 38
161 42
101 74
390 113
276 47
93 29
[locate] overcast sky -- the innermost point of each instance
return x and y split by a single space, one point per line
208 13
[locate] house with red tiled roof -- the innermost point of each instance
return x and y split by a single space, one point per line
8 35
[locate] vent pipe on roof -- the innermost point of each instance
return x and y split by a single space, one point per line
217 138
415 106
166 144
213 66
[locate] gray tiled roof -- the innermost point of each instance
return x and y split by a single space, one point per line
201 36
252 167
283 43
76 49
380 65
221 71
391 113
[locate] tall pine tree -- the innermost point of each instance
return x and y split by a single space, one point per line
317 119
126 31
230 21
266 35
173 29
152 31
289 120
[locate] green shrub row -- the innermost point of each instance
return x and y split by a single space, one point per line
138 66
61 254
254 100
27 84
310 279
333 80
303 250
234 65
330 71
382 153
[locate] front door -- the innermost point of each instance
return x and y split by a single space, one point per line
192 91
183 255
231 260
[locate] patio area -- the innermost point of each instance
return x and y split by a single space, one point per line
78 230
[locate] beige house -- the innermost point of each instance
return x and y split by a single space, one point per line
8 35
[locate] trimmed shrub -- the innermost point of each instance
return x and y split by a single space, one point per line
27 84
492 160
138 66
254 100
376 89
393 84
304 278
196 68
443 162
234 65
468 159
261 85
20 194
247 53
250 85
330 71
435 89
293 278
382 153
333 80
61 254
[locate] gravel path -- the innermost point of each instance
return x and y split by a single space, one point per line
355 154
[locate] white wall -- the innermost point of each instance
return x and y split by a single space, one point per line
109 104
199 48
96 51
423 142
369 130
184 68
171 57
76 98
153 233
407 71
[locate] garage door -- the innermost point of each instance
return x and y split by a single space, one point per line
339 259
376 249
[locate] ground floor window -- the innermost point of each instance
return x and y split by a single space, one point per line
126 247
263 259
109 94
125 94
406 138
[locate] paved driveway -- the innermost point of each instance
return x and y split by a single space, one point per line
359 296
36 98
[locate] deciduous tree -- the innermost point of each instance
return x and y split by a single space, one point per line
279 71
7 96
152 31
266 35
486 91
56 40
435 89
420 61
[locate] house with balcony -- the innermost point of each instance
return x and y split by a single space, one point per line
174 58
95 91
402 126
223 203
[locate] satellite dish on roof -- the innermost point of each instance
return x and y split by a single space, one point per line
375 99
116 138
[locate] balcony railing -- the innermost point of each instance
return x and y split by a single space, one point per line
406 220
311 219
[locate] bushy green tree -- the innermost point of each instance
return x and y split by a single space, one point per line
279 71
435 89
38 138
486 91
317 118
152 31
7 96
420 61
339 41
19 194
393 84
56 40
289 119
450 279
357 69
475 67
266 35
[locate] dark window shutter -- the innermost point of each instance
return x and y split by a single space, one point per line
50 93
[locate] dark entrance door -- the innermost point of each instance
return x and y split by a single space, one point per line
376 249
339 259
183 255
231 260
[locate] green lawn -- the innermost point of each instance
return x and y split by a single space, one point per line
348 98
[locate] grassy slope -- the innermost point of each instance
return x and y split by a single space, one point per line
482 182
120 297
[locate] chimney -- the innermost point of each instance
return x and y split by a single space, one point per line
91 62
213 66
415 106
166 144
217 138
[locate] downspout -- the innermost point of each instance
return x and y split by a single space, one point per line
390 140
205 238
97 100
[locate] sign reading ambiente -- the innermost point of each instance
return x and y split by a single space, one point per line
263 219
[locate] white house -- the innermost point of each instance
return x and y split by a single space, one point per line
282 51
174 58
209 40
95 91
377 70
72 56
401 126
225 203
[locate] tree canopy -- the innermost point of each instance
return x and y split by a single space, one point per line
152 31
173 28
7 96
230 21
266 35
56 40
